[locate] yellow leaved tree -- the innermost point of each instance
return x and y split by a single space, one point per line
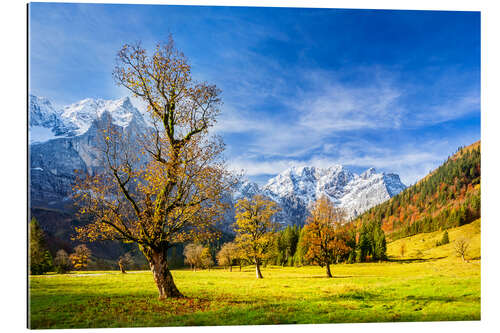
81 257
255 230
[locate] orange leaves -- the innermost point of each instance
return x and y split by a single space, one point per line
325 233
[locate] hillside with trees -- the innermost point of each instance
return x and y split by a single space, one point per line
448 197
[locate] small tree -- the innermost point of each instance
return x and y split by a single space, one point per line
81 257
206 258
226 255
380 245
193 254
240 256
445 239
325 234
255 229
62 262
40 260
302 248
125 261
402 249
461 247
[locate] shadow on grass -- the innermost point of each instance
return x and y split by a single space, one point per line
413 260
367 296
334 276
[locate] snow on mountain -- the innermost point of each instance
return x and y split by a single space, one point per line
296 188
46 122
246 189
42 113
83 113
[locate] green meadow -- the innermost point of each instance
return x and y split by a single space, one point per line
427 283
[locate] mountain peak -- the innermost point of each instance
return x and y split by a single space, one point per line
76 119
368 173
299 186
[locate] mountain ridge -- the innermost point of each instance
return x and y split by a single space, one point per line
47 122
296 188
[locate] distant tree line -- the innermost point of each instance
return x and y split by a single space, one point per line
326 239
41 260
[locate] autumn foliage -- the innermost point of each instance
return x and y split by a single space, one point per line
325 235
81 257
448 197
170 190
255 230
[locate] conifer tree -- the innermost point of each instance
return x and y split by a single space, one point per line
40 259
445 239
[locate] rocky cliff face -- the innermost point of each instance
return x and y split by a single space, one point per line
73 143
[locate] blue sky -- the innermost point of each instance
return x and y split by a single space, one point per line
394 90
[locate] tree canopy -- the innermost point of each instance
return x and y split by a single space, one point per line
170 190
255 229
325 234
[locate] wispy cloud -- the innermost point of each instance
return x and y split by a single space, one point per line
467 103
333 106
411 165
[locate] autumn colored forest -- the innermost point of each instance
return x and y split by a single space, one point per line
449 196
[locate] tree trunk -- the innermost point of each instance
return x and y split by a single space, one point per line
163 277
257 270
328 272
230 268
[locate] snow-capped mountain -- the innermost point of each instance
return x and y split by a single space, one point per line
64 140
296 188
47 122
81 114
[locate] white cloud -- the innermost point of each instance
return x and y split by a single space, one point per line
410 166
333 106
452 109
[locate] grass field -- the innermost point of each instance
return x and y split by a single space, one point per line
429 283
